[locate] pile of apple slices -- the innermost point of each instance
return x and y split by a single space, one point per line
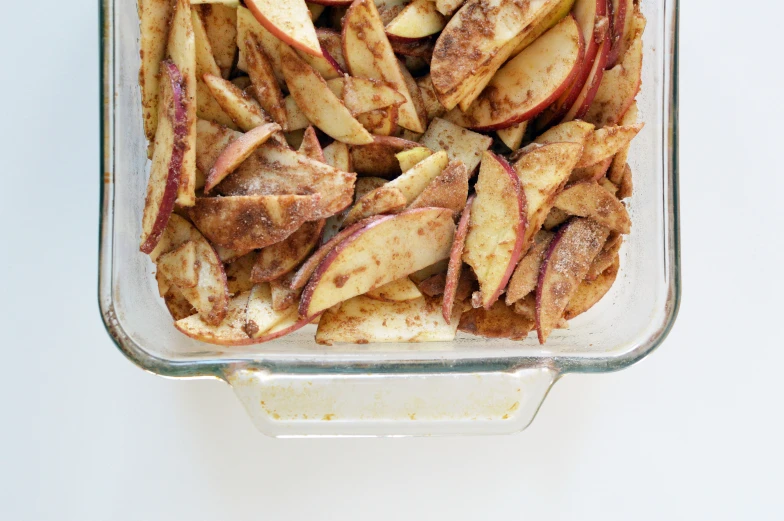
390 170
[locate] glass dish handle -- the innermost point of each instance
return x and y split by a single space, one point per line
417 404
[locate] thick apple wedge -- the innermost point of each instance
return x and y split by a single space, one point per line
325 64
526 275
379 157
262 76
588 93
460 144
433 107
261 315
241 108
154 18
319 103
565 266
380 122
588 199
399 290
280 258
288 20
530 82
500 321
236 152
369 55
605 142
606 257
170 144
361 320
591 292
382 200
413 181
220 22
455 266
497 229
228 332
543 172
448 190
417 20
276 169
357 265
252 221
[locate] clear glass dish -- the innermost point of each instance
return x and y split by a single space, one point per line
294 387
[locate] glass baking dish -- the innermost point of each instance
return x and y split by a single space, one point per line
294 387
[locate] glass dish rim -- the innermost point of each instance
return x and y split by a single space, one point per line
220 368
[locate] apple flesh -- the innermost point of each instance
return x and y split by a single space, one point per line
448 190
526 275
565 266
170 144
237 152
310 146
409 158
357 265
590 292
588 199
500 321
238 273
399 290
417 20
588 93
460 144
379 158
606 257
338 155
266 89
261 316
455 266
247 25
332 43
325 64
154 18
530 82
364 95
380 122
220 23
228 332
497 228
382 200
280 258
512 136
605 142
241 108
433 107
288 20
206 106
179 265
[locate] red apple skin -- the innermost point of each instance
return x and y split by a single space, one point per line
283 332
332 61
522 227
236 148
604 52
539 283
456 262
166 207
619 14
272 28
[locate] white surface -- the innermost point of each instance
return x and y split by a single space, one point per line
693 432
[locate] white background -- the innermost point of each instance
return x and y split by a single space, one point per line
693 432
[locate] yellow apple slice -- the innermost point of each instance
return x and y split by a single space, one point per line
325 65
265 85
154 18
337 155
380 122
433 107
238 273
606 142
211 140
243 110
382 200
363 95
311 147
409 158
288 20
332 43
206 106
417 20
568 132
260 316
512 136
247 25
460 144
378 158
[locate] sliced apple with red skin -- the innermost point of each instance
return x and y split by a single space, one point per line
497 230
526 274
500 321
154 18
544 23
591 87
248 25
261 316
170 144
588 199
543 172
606 257
241 108
448 190
288 20
399 290
276 169
283 296
178 306
590 173
220 22
530 82
478 39
418 19
555 218
630 26
409 158
455 266
310 146
590 292
206 106
229 332
433 107
460 144
383 200
337 155
325 65
618 11
280 258
605 142
379 158
211 140
368 54
319 103
236 152
616 172
252 221
565 266
265 84
332 44
362 320
357 265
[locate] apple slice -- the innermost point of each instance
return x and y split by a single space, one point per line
591 173
565 266
206 106
433 107
588 93
605 142
310 146
526 275
512 136
365 185
220 22
619 86
357 265
500 321
589 293
619 11
243 110
588 199
460 144
568 132
478 39
455 266
154 18
399 290
369 55
251 221
309 267
497 229
265 84
211 140
170 144
179 265
530 82
383 200
260 316
626 187
609 186
325 65
555 218
283 296
363 95
543 172
177 304
361 320
288 20
379 158
238 273
248 25
332 44
606 257
448 7
181 48
417 20
280 258
409 158
319 103
229 332
634 21
380 122
616 172
276 169
295 118
237 152
338 156
448 190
